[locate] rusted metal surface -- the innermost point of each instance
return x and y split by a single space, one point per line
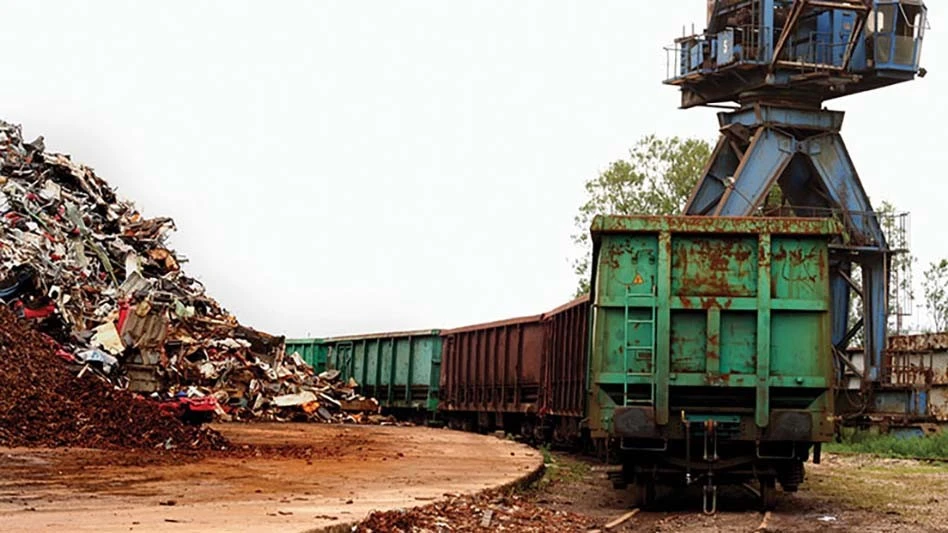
917 359
493 367
494 324
938 402
706 266
909 368
690 310
916 370
918 343
716 225
534 364
567 350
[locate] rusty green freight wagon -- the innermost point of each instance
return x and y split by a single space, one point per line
710 350
401 370
313 352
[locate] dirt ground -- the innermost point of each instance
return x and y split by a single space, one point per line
311 476
844 493
334 475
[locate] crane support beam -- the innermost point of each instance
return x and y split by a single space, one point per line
795 12
763 163
801 152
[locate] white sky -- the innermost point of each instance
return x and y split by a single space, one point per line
353 166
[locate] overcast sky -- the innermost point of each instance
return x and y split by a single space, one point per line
352 166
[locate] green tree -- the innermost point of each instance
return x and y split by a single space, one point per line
936 293
656 179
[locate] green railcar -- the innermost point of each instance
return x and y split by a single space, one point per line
312 351
710 350
401 370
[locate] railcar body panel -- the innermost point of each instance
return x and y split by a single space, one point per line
711 330
401 369
566 359
313 352
495 367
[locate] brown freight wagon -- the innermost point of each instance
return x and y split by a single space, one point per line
524 375
491 374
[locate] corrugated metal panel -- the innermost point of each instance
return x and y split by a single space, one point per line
494 367
399 369
567 348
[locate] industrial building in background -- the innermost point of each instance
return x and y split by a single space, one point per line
773 64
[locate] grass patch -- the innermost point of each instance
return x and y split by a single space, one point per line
915 491
927 447
548 458
560 468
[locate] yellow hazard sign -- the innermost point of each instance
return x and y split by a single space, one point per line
638 279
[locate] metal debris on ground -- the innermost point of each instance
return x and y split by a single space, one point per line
89 270
43 403
500 512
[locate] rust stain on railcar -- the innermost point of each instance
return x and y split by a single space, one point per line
715 225
716 266
705 302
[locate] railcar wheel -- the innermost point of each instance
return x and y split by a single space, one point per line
621 479
768 493
791 476
643 491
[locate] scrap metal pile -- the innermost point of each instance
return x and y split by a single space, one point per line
87 269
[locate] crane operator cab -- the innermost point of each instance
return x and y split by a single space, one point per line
894 34
803 49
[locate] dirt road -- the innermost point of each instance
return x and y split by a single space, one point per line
333 475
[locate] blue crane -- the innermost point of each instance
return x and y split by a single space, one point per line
773 64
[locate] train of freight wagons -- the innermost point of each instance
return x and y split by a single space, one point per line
701 356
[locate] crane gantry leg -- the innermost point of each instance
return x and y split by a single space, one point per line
801 153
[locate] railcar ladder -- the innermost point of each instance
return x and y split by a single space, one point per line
635 349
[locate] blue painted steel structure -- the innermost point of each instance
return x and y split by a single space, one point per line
803 51
779 61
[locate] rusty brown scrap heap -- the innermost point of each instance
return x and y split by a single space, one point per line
88 270
43 404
